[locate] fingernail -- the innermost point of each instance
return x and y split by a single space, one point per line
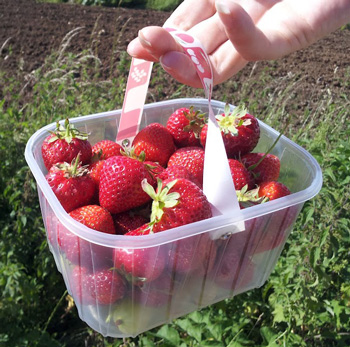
143 39
221 7
165 66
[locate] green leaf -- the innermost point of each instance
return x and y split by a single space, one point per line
169 334
278 313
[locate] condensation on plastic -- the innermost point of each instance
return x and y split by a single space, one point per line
221 261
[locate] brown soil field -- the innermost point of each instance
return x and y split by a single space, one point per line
31 30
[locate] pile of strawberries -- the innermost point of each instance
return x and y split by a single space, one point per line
154 186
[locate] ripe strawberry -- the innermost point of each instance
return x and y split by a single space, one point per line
240 131
241 175
175 203
144 229
75 282
64 144
176 171
233 261
71 184
192 254
94 217
273 190
156 142
120 184
104 286
140 264
185 124
80 251
106 149
158 292
127 222
265 167
192 158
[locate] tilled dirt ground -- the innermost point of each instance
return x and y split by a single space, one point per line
31 30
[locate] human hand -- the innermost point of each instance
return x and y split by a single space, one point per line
234 32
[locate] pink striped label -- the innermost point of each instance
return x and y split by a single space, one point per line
134 100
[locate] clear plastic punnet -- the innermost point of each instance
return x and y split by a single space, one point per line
188 267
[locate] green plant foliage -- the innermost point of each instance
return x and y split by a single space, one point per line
306 300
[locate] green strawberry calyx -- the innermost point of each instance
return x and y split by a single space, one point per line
161 198
130 153
249 198
230 121
73 169
67 132
196 120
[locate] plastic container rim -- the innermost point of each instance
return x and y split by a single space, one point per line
167 236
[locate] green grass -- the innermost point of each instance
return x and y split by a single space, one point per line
305 302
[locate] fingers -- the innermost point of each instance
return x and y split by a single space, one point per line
152 43
181 67
240 29
189 13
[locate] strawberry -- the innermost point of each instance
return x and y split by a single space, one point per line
140 264
120 184
64 144
233 260
175 203
94 217
241 175
144 229
75 282
273 190
240 131
126 222
196 253
80 251
192 158
158 292
156 142
104 286
185 124
176 171
71 184
106 149
265 167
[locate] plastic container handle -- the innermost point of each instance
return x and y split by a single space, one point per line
218 185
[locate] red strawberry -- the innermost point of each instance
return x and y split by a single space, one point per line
241 175
127 222
158 292
185 125
144 229
120 184
156 142
94 217
71 184
196 253
75 282
176 171
140 264
104 286
240 131
265 167
233 260
192 158
64 144
273 190
80 251
106 149
175 203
